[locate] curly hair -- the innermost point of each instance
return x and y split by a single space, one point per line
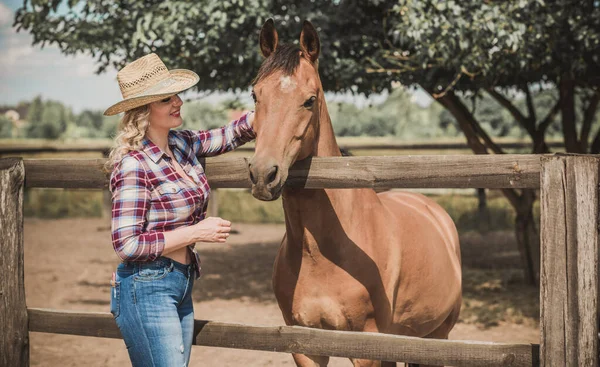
131 131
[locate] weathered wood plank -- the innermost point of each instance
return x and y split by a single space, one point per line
569 272
103 146
14 338
304 340
427 171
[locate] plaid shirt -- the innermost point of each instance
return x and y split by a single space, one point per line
149 197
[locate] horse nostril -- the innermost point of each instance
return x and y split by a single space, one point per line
272 174
252 178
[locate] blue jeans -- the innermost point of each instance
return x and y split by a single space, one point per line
152 305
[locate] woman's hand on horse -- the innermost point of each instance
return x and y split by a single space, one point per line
212 229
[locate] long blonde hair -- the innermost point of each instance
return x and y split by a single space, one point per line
131 131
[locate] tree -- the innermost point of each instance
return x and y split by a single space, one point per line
6 127
47 120
472 48
218 39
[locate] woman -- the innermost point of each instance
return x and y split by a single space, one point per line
160 195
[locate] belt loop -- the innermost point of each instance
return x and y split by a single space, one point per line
171 266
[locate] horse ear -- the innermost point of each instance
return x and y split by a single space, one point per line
309 41
268 38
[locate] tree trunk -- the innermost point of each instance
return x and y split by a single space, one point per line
567 109
526 232
528 238
483 217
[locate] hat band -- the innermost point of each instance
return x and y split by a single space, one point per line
156 88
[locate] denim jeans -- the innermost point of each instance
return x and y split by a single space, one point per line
152 306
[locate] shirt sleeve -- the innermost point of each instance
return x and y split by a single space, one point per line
206 143
130 201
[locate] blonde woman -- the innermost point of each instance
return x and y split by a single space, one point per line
159 200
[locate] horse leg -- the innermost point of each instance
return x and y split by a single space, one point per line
310 361
441 332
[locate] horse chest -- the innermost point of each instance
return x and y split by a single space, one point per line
331 303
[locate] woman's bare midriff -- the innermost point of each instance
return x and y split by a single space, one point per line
181 255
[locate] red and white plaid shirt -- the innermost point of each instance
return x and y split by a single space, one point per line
149 197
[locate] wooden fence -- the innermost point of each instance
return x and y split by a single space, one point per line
12 147
569 257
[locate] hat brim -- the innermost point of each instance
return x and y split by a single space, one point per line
180 80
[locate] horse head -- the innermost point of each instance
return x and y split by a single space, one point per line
288 95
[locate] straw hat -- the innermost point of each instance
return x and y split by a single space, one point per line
147 80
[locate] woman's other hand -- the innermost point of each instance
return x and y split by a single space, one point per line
212 229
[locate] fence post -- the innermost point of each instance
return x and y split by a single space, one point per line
213 204
14 335
569 261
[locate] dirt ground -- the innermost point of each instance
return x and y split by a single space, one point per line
68 264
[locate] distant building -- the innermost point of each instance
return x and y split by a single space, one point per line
12 115
15 118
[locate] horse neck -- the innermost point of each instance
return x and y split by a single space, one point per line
326 144
307 209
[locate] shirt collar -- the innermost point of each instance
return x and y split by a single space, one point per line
153 151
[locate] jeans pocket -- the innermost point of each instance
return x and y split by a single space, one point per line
146 274
115 299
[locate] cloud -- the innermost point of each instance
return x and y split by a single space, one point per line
6 16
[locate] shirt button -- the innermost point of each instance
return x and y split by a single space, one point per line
173 189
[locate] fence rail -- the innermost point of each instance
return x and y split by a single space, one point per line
426 171
352 144
569 240
296 339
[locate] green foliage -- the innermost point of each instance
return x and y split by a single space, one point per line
61 203
240 206
500 43
218 39
202 115
6 127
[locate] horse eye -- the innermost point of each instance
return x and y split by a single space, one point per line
309 102
254 97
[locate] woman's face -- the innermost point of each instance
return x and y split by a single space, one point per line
166 113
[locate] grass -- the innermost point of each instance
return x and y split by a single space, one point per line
238 205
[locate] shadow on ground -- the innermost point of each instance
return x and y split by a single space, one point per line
238 272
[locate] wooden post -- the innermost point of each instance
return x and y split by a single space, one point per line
14 337
569 261
213 204
106 197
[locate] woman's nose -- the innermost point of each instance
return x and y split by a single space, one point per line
177 100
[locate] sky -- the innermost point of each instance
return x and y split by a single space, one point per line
27 71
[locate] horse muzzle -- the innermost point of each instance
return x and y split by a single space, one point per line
267 179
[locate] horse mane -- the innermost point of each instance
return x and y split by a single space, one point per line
285 58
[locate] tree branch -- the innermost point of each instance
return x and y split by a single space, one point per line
588 118
539 142
517 115
595 149
567 106
530 108
462 115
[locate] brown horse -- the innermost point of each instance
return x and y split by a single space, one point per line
350 259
